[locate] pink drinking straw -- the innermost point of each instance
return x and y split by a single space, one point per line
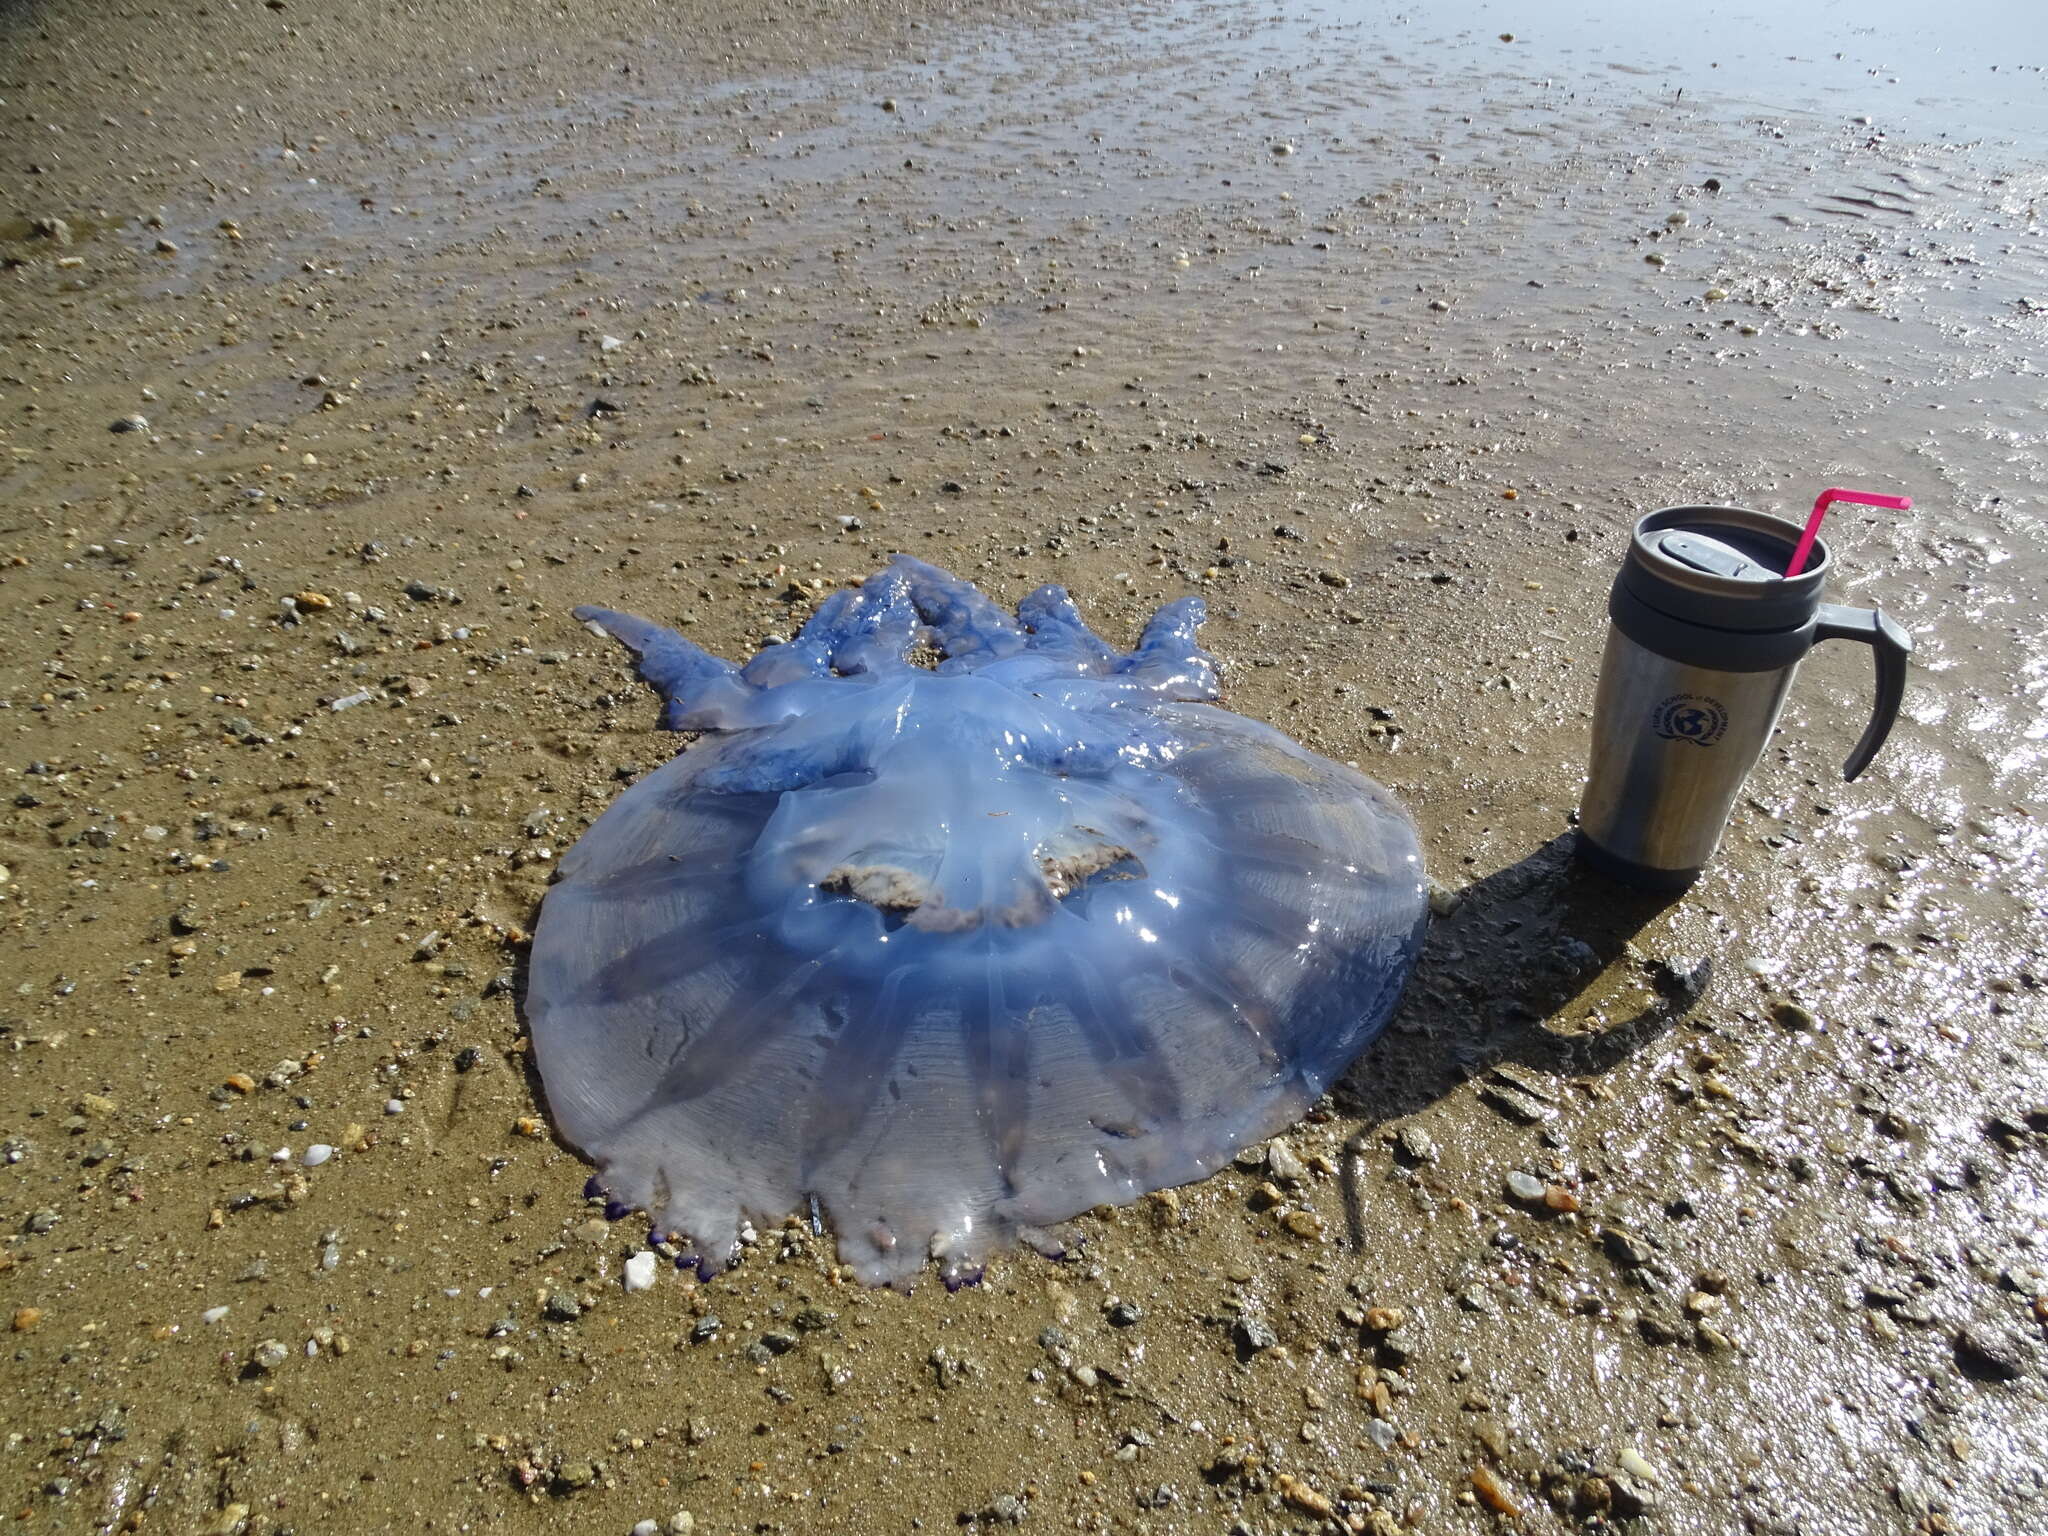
1832 494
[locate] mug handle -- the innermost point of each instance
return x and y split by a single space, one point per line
1891 645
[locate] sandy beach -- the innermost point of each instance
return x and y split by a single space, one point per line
349 346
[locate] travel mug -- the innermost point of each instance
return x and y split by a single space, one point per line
1705 632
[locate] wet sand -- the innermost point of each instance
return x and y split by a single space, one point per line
1377 331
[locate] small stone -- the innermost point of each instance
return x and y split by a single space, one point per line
681 1523
706 1329
1625 1248
647 1528
26 1318
42 1221
1415 1145
1993 1355
166 246
640 1271
1515 1105
1630 1498
1443 900
561 1307
1303 1223
1636 1465
394 1106
1254 1334
1124 1314
129 424
269 1355
1284 1164
573 1475
1524 1187
1793 1015
1493 1492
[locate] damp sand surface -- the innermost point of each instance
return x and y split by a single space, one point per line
1376 327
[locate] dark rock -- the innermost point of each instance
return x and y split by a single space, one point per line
561 1307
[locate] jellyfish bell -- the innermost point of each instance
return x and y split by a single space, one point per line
951 953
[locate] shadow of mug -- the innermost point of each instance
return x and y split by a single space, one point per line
1509 980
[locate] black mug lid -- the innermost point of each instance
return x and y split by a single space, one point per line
1723 567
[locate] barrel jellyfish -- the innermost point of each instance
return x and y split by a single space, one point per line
950 926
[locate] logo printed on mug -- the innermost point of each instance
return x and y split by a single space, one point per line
1692 717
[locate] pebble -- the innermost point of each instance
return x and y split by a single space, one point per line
1303 1223
640 1272
647 1528
317 1154
561 1307
1515 1105
1415 1145
1793 1015
1284 1164
1993 1354
1254 1334
129 424
269 1355
1493 1492
394 1106
681 1523
1636 1465
213 1315
1524 1187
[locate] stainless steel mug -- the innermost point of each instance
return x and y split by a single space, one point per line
1705 632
